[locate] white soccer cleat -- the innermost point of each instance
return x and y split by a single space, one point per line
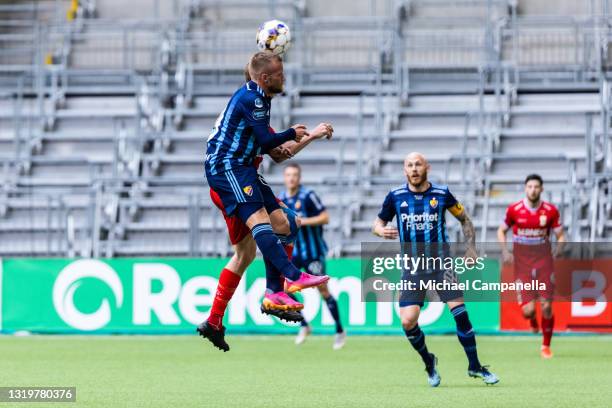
302 334
339 340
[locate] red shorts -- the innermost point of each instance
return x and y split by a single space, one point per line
540 267
235 227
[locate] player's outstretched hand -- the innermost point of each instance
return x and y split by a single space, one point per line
390 232
300 132
323 130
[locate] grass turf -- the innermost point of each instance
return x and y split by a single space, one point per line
185 371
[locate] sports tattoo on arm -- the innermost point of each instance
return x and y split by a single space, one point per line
468 228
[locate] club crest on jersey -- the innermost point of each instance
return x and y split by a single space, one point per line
298 204
248 190
258 103
542 220
433 202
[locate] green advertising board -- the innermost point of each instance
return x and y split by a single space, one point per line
173 295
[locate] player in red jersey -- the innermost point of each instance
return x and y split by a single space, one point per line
245 249
532 221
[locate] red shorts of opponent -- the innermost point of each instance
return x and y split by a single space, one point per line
235 227
534 263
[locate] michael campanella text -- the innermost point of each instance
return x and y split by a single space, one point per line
476 284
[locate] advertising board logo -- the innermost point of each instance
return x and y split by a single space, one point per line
70 279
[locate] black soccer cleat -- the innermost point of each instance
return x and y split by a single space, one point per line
291 316
215 336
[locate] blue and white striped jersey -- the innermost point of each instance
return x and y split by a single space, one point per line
233 142
420 217
310 244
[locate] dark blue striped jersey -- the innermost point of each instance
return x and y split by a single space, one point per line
310 244
232 142
420 217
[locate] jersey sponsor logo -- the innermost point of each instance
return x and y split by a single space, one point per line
404 204
419 222
259 114
248 190
418 196
259 103
531 232
543 220
433 203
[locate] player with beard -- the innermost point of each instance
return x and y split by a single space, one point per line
243 122
532 221
419 208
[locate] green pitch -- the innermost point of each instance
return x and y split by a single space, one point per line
380 372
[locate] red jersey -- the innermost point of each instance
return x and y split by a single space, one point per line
532 226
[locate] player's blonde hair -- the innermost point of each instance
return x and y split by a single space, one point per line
259 63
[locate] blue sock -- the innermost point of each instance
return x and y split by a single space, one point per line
466 336
332 305
273 283
416 337
272 250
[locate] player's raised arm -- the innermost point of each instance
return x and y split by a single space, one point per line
289 149
323 130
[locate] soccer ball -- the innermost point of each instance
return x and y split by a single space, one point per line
274 35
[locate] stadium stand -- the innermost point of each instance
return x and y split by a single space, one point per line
105 111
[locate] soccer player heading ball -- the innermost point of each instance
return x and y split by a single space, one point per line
532 221
417 200
253 214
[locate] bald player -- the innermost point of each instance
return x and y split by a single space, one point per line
419 208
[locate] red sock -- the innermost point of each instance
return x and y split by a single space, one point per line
228 282
547 330
533 322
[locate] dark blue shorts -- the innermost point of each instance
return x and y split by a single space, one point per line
312 266
418 296
242 185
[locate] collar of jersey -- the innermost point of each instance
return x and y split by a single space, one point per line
253 85
297 193
422 192
530 209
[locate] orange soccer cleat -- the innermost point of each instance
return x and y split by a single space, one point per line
305 280
280 301
545 352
